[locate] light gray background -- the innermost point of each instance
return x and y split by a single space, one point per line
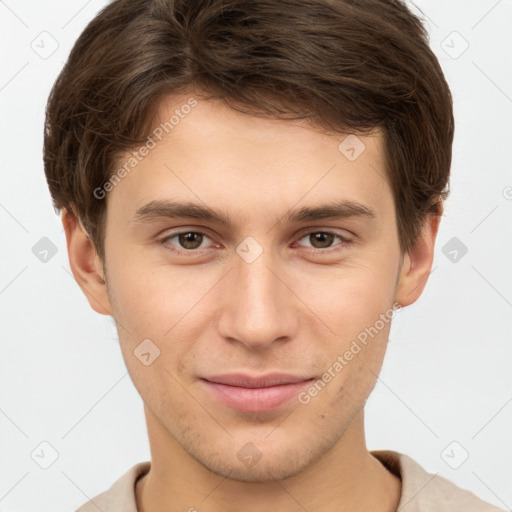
447 374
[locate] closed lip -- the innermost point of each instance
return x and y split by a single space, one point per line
242 380
255 393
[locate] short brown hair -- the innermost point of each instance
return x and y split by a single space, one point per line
347 65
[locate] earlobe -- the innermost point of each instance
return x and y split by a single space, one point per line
417 263
85 264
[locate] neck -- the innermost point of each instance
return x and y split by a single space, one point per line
346 478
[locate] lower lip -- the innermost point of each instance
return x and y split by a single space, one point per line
256 399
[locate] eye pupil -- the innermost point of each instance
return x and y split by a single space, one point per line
190 240
324 239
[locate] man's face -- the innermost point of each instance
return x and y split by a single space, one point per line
268 292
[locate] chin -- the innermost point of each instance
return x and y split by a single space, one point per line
262 471
275 461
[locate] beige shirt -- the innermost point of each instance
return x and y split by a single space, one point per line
421 491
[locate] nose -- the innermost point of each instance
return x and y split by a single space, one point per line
258 307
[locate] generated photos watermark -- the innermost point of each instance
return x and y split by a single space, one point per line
151 142
343 360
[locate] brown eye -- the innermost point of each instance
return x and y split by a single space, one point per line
190 240
321 239
185 241
323 242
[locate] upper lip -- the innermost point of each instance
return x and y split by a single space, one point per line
249 381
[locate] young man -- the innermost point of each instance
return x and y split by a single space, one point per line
251 189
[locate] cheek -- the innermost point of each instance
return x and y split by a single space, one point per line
350 299
170 308
152 300
158 387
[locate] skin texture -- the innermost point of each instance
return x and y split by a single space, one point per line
290 310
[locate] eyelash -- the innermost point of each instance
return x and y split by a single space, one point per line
343 242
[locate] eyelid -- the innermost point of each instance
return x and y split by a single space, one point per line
331 231
165 240
344 240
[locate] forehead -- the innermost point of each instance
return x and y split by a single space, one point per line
203 151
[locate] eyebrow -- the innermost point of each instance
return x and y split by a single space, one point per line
172 209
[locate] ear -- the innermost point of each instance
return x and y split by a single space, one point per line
417 263
85 264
